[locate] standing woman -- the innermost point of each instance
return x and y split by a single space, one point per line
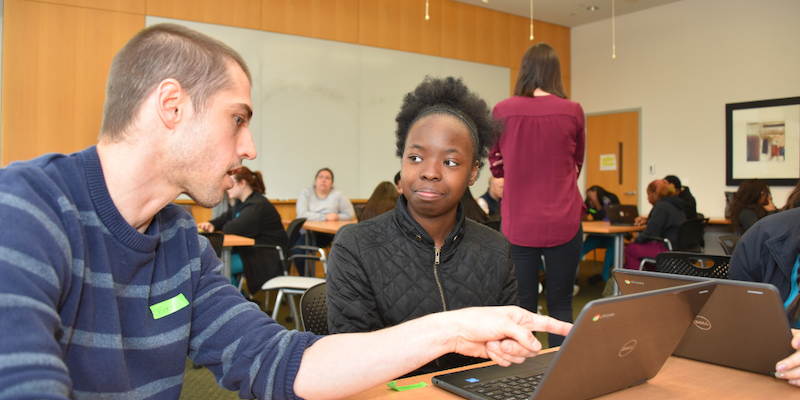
540 156
253 216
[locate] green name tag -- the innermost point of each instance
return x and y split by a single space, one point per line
393 385
168 307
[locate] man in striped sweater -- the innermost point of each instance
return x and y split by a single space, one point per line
106 286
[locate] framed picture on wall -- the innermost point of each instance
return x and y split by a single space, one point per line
763 141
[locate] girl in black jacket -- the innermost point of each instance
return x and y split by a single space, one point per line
424 256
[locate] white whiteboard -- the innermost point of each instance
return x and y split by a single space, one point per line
320 103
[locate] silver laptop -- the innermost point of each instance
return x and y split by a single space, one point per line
615 343
743 325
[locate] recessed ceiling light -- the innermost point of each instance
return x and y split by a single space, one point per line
485 1
592 8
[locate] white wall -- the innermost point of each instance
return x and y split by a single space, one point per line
320 103
681 63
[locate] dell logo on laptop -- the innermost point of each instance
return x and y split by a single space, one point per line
702 323
627 348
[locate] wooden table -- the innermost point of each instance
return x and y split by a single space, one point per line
228 244
680 378
329 227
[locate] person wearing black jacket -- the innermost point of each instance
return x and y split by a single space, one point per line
664 221
689 203
424 256
253 216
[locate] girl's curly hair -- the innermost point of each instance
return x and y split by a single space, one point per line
452 94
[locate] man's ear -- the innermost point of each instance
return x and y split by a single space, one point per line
172 102
473 175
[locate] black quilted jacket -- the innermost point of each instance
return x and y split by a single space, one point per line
383 271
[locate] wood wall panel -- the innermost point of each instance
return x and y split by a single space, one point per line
322 19
239 13
55 63
401 25
129 6
474 33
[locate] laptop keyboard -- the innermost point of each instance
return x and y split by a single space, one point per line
508 388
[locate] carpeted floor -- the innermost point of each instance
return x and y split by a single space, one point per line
200 383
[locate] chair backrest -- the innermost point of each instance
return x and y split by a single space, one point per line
728 243
690 236
693 264
314 310
216 239
293 232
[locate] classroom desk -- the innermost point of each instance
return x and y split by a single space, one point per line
328 227
680 378
228 244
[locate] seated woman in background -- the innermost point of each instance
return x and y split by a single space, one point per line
596 200
321 202
424 256
664 221
253 216
768 252
752 202
382 200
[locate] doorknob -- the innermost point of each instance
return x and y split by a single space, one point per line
631 193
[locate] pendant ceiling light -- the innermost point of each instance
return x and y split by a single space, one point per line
531 38
613 33
427 16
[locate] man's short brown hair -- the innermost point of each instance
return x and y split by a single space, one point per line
197 61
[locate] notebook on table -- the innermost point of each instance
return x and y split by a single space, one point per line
622 215
615 343
743 325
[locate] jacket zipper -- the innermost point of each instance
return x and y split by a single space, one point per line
437 250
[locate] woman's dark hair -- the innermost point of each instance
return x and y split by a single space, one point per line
600 194
541 69
382 200
453 95
253 179
793 200
472 210
324 169
749 196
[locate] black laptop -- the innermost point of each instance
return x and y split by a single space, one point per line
621 214
615 343
743 325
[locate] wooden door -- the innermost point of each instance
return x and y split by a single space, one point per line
614 134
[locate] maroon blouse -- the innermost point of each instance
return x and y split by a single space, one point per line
542 150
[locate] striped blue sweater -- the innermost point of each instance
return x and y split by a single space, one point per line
77 283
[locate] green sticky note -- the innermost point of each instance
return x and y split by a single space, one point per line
393 385
168 307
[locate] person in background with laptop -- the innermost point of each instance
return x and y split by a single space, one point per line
689 203
664 221
597 199
425 256
769 252
107 287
